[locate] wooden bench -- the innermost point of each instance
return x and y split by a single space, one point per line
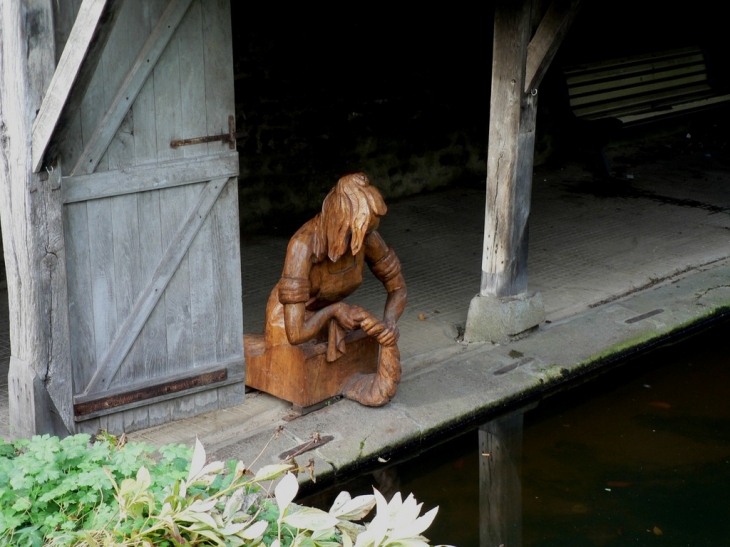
643 88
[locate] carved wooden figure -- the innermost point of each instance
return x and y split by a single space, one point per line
315 345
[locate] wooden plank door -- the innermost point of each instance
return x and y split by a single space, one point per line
152 231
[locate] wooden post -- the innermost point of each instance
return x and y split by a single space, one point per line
32 230
504 265
503 307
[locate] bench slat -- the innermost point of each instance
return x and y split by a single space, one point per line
658 100
626 61
678 75
676 88
677 109
639 88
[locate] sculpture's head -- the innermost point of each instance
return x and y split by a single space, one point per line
350 210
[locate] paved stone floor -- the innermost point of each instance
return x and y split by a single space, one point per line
592 241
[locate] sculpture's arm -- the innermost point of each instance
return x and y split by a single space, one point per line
385 265
294 292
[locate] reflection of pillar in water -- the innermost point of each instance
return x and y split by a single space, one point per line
500 489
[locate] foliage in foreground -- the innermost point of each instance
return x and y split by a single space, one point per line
70 493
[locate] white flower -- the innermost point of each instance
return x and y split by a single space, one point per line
396 523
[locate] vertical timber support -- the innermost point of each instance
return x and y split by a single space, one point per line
504 308
32 230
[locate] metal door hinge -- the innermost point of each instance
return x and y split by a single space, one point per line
229 137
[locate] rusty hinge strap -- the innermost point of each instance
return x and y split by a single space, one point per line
155 390
229 137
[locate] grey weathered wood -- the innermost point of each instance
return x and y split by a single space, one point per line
178 323
67 70
127 267
219 90
549 35
232 366
220 100
194 123
206 401
103 280
167 267
143 108
227 284
505 229
30 220
81 315
65 142
159 413
193 80
154 352
232 395
112 423
137 418
143 65
117 59
59 382
500 488
92 427
148 177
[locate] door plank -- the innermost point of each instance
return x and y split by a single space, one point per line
150 296
219 90
128 281
154 352
78 269
115 63
103 282
178 324
69 65
141 68
227 280
148 177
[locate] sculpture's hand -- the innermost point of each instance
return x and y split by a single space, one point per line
346 315
385 333
389 335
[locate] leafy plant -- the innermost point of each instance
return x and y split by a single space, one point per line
74 494
51 487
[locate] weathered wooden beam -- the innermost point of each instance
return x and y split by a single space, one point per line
131 86
549 35
154 176
82 34
32 231
504 265
132 326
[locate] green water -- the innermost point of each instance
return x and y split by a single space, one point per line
640 456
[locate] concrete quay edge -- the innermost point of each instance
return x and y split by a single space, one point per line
481 380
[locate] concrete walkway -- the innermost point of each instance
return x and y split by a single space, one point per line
620 264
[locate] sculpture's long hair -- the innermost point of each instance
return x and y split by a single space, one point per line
345 216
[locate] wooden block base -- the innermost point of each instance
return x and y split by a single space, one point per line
301 374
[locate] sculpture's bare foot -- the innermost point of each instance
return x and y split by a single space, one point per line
379 388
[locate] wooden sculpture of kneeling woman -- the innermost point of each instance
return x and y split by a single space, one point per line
324 263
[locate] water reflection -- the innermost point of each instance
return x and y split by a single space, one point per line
637 457
500 485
